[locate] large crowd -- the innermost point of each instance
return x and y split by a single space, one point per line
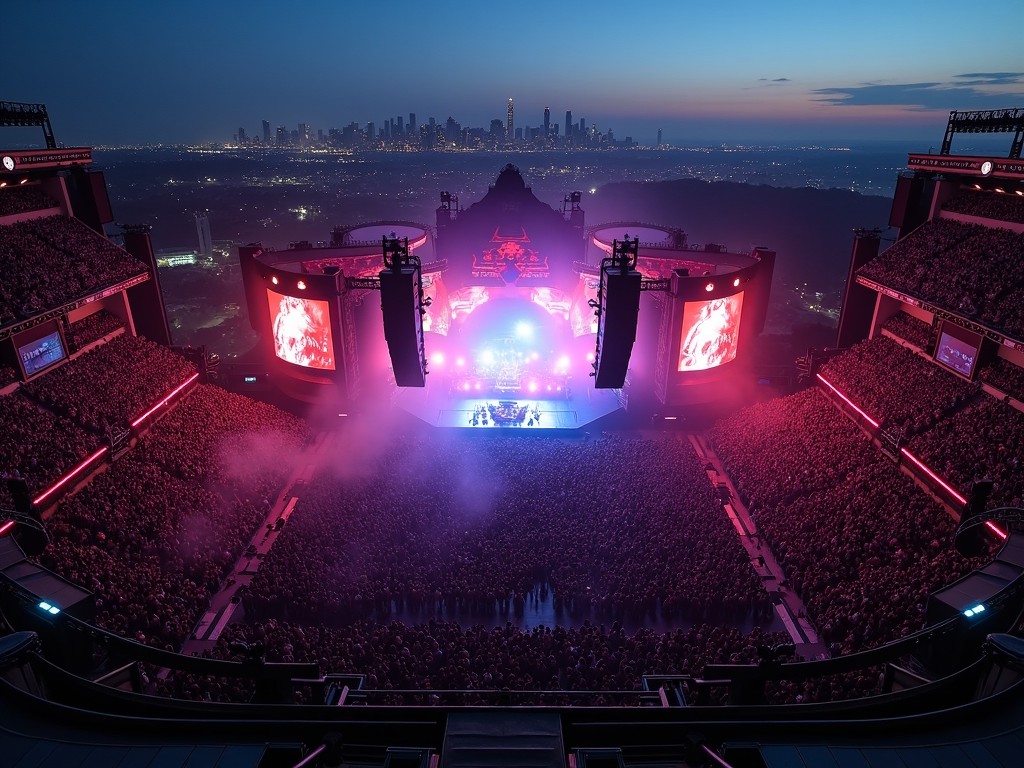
22 199
38 446
50 261
910 328
966 268
154 535
860 544
983 441
988 205
106 388
1004 376
91 328
616 528
897 387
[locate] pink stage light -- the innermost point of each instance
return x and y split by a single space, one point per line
709 287
933 476
736 283
302 285
163 402
460 361
466 386
67 478
590 357
848 401
437 359
992 526
6 527
477 386
533 386
274 279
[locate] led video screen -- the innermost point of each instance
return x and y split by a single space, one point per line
302 331
41 353
711 332
957 349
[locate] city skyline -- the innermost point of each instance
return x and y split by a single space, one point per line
742 71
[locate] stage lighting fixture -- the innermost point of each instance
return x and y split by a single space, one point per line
274 279
736 283
524 330
487 358
302 285
478 385
563 362
709 287
533 386
437 358
590 357
460 361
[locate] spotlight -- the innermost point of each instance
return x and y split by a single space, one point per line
736 283
274 279
487 358
477 385
524 330
460 361
437 359
590 357
709 287
465 387
533 386
302 285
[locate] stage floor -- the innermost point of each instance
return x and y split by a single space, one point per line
440 409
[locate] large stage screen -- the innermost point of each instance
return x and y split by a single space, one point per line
41 352
957 349
302 330
711 332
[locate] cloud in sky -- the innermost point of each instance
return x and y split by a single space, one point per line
973 90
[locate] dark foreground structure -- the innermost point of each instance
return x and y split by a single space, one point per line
123 512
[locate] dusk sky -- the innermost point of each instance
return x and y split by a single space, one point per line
732 70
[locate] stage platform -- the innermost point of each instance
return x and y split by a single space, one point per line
443 410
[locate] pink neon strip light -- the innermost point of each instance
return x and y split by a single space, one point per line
992 526
933 476
163 402
6 527
64 480
848 401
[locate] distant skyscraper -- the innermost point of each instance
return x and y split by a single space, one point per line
282 136
242 137
203 230
401 126
547 122
509 124
412 122
266 132
568 124
303 134
659 137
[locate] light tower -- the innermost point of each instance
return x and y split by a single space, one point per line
510 134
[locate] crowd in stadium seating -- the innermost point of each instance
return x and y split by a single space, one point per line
985 440
483 525
92 327
37 445
989 205
897 387
22 199
109 386
859 543
155 534
967 268
909 328
50 261
1005 376
442 655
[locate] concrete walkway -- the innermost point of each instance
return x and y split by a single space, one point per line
788 605
222 604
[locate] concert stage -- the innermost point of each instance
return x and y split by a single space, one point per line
508 413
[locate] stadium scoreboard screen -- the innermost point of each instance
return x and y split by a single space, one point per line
710 332
40 348
957 349
301 330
